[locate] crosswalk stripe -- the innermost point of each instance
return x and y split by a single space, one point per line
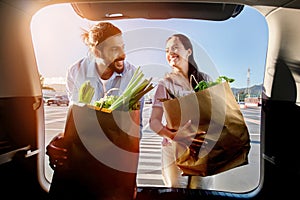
149 167
149 176
147 160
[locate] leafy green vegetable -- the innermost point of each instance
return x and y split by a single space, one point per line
106 101
204 84
137 87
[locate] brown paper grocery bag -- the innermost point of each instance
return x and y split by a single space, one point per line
215 111
103 152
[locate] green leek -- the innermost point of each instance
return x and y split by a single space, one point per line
136 88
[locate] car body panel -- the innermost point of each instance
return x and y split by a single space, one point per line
22 113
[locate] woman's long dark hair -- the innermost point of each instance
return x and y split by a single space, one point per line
193 67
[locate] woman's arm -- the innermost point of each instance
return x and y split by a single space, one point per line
156 125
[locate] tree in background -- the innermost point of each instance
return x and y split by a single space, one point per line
44 87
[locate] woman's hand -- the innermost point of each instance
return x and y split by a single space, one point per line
191 137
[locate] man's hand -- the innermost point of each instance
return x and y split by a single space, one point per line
56 152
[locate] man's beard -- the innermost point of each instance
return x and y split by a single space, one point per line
117 65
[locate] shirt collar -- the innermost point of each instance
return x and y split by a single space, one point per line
91 68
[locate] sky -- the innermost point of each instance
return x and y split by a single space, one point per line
229 48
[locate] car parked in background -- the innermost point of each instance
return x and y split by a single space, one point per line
58 100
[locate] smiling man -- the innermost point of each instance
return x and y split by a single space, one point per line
104 66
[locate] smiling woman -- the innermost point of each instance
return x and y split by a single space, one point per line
224 47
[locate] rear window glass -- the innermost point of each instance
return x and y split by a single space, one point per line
235 48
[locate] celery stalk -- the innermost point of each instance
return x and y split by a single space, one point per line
86 92
136 88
